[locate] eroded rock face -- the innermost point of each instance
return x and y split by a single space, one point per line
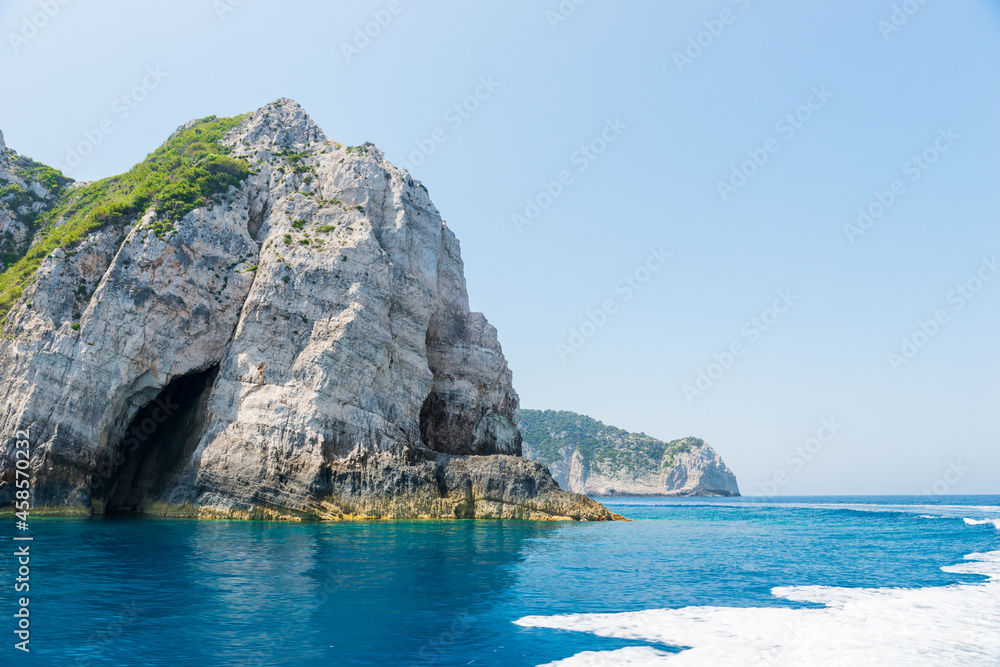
695 470
302 347
588 456
700 471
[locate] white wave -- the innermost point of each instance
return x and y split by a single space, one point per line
938 511
633 656
983 522
752 502
947 625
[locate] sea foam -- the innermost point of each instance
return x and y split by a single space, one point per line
948 625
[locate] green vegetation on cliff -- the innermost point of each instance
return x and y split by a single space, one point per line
36 172
178 177
24 204
603 447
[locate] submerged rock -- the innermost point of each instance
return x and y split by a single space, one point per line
297 346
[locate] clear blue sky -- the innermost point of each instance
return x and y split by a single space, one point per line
673 129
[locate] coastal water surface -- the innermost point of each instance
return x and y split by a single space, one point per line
131 591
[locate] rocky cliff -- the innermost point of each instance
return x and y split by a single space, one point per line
255 322
28 190
586 456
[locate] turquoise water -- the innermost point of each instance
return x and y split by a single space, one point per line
119 591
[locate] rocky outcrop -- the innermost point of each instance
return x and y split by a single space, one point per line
27 189
586 456
695 470
300 346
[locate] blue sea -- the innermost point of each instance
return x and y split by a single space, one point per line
786 581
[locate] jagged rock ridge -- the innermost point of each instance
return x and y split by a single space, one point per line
298 346
589 457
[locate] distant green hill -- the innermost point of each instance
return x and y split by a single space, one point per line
587 456
603 447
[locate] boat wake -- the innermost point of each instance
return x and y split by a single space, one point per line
947 625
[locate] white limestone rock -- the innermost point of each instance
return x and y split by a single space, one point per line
589 457
302 347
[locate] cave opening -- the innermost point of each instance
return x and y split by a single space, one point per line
161 436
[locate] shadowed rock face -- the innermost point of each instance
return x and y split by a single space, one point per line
301 347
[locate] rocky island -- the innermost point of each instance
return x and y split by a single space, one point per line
256 322
587 456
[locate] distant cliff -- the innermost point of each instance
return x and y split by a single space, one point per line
254 322
589 457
